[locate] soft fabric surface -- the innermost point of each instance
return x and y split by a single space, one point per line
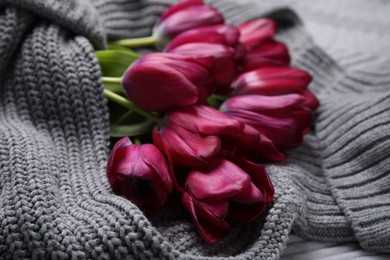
55 199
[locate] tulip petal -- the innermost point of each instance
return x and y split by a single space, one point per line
268 150
186 19
210 228
249 195
158 142
224 62
259 177
260 103
271 49
252 62
205 120
221 179
189 148
219 34
310 100
272 81
156 161
180 6
256 31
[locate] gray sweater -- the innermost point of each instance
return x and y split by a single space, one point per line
55 199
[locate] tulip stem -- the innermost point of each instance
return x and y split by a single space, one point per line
130 105
137 42
113 80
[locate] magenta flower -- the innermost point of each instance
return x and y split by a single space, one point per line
221 34
262 50
140 173
164 81
276 81
269 53
190 136
224 70
283 119
251 144
184 16
257 31
224 191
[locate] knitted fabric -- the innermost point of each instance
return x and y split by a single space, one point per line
55 198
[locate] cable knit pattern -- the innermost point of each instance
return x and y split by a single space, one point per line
55 200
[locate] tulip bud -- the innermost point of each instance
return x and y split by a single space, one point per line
262 50
220 34
255 32
191 135
164 81
271 81
223 191
250 144
282 119
274 52
184 16
140 173
224 69
276 81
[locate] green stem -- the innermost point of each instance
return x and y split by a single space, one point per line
124 117
113 80
137 42
130 105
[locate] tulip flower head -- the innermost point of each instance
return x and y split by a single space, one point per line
221 34
261 50
283 119
257 31
140 173
191 136
163 81
224 69
270 53
276 81
184 16
225 191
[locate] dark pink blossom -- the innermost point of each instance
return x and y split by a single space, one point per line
140 173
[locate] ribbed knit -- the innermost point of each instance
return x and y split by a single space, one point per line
55 198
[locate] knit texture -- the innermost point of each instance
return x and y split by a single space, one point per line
55 198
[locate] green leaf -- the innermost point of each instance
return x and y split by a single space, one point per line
134 129
113 46
125 122
115 62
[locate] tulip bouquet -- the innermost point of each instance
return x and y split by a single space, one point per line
203 115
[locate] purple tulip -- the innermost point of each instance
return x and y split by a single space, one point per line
164 81
269 53
191 136
221 34
276 81
223 191
140 173
251 144
262 50
254 32
224 70
184 16
283 119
